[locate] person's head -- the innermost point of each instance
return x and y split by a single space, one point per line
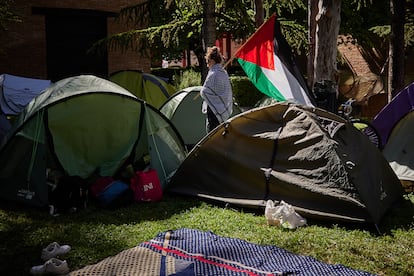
213 56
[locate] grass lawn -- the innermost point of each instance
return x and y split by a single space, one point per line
95 234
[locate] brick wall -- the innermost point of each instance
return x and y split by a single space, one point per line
120 60
352 54
23 45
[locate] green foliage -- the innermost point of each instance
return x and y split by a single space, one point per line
296 36
245 93
381 31
175 26
235 17
357 17
284 8
385 31
95 234
187 78
409 34
7 14
292 15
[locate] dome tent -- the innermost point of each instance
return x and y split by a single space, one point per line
307 157
395 124
16 92
183 109
83 125
145 86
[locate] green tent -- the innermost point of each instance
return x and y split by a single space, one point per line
84 125
183 109
307 157
145 86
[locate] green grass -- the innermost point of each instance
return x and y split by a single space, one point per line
95 234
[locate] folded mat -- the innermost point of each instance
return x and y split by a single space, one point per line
193 252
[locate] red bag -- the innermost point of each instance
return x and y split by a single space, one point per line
146 186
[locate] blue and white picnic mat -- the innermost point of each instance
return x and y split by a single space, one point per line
193 252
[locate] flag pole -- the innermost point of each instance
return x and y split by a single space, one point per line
258 29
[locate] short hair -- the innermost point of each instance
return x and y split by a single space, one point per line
214 53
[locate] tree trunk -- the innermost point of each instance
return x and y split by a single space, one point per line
396 48
259 16
312 11
325 75
208 32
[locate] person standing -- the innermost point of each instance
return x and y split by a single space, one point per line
216 92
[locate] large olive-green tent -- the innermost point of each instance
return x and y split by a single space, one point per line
307 157
145 86
84 125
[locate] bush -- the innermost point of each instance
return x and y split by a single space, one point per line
187 78
245 93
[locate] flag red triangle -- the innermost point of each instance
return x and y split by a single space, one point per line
258 49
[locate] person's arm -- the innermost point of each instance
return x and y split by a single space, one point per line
208 88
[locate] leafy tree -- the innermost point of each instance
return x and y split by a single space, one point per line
6 14
400 35
173 26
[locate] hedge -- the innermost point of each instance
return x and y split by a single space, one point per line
245 93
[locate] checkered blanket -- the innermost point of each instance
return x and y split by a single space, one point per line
192 252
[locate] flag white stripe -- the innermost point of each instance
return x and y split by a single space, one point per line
283 80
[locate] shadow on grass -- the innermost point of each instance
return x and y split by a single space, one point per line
94 234
401 216
135 212
24 231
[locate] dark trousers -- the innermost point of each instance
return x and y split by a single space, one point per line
212 121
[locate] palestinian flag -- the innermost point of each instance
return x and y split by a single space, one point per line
267 59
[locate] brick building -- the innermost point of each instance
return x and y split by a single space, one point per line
53 37
358 81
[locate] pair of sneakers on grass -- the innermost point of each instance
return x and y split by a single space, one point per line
52 265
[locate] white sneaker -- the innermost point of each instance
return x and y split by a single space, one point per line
52 267
54 250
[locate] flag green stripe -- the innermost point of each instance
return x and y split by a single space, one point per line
257 77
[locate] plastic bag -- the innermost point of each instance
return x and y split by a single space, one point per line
283 215
146 186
